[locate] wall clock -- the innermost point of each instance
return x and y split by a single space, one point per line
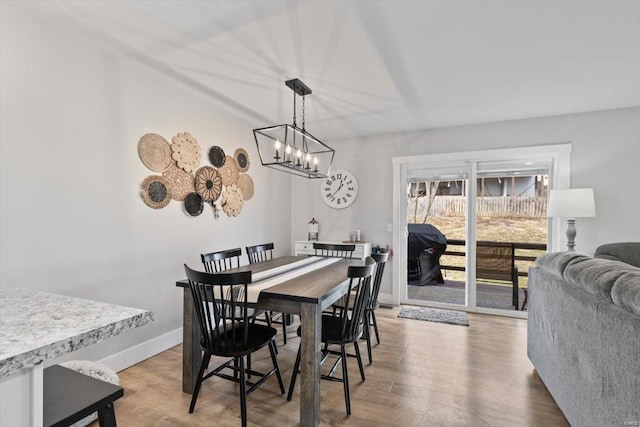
339 189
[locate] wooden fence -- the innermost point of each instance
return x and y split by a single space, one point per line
503 207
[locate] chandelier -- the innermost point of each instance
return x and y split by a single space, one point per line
292 149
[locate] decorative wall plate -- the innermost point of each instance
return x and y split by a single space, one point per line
229 171
208 183
245 185
155 152
156 192
216 156
232 200
242 159
193 204
186 151
182 182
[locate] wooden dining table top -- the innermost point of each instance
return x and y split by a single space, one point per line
312 287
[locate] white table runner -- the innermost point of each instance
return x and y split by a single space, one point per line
267 279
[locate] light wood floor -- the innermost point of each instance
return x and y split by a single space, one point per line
423 374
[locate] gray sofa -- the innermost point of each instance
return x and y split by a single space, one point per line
584 333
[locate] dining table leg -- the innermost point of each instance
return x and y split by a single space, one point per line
191 353
310 365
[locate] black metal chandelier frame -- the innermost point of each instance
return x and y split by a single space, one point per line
292 149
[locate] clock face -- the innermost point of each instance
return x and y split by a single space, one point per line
339 189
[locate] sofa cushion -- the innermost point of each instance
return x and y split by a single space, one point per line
625 292
556 262
596 276
628 252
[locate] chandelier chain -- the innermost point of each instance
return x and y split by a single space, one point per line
294 109
303 97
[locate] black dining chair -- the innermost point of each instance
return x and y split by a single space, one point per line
215 262
343 327
222 311
261 253
381 259
369 315
335 250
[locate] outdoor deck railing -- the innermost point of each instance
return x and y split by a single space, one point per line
516 246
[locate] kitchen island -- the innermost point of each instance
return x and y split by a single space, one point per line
37 326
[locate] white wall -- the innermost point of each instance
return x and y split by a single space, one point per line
71 218
605 156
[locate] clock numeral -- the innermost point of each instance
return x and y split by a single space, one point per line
327 188
344 199
339 176
349 182
349 195
350 189
328 195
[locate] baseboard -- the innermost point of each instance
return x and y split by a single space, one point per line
143 351
385 298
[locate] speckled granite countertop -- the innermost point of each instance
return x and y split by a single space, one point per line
36 326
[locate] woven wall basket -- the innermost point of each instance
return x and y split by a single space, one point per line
156 191
155 152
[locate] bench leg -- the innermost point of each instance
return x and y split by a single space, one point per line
107 416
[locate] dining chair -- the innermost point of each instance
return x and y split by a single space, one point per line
215 262
261 253
334 250
344 327
222 311
369 316
381 259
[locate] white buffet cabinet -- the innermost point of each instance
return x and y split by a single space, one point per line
305 247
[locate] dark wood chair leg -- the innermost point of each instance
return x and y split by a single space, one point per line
203 365
359 357
296 366
284 328
375 326
243 393
272 351
249 366
345 378
367 335
107 417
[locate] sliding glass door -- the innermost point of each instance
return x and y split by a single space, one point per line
436 216
471 225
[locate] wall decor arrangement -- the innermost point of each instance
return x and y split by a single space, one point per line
225 185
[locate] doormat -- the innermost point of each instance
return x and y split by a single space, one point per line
434 315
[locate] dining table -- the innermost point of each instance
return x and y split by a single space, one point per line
301 285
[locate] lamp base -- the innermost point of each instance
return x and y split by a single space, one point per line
571 234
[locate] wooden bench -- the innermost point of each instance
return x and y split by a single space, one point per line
70 396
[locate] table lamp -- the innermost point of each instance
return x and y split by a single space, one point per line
571 204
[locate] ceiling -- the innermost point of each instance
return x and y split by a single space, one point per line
380 67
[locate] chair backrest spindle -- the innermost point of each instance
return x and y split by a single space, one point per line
334 250
260 253
215 262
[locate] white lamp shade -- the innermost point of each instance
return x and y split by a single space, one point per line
571 203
